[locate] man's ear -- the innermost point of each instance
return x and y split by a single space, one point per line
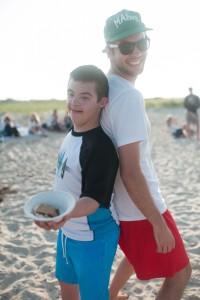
103 102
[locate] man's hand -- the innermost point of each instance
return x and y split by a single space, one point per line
164 238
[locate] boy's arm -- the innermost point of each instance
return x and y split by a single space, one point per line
137 188
84 206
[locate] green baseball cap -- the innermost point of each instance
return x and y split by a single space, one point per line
123 24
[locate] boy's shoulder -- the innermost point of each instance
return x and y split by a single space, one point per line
100 141
99 136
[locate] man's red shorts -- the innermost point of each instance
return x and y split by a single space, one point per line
138 244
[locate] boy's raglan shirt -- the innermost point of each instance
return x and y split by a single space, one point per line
87 167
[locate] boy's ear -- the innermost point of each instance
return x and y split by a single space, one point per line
103 102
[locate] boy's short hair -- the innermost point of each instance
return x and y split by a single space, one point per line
91 73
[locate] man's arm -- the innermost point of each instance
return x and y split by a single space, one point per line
137 188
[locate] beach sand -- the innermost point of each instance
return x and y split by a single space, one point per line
27 253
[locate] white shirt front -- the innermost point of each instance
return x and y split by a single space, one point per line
124 119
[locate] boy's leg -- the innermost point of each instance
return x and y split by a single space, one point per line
121 276
93 261
69 291
65 272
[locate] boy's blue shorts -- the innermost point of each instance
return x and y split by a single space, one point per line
88 264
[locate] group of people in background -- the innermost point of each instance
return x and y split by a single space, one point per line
189 129
54 124
35 126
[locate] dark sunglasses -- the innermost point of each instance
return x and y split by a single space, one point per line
127 48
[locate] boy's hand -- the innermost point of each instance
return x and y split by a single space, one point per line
52 225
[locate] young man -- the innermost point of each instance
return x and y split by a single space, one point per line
87 167
149 237
192 103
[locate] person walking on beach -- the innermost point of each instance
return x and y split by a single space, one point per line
87 167
192 103
149 237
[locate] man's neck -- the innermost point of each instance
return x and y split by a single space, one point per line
130 78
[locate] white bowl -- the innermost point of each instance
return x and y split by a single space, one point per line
64 201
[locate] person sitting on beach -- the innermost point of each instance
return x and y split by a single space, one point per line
53 123
87 167
192 103
10 130
67 121
35 126
176 130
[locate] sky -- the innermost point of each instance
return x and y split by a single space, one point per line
42 41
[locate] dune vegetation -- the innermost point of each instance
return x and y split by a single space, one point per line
15 106
27 107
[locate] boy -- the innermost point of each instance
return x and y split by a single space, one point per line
87 167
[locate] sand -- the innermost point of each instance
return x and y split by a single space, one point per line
27 253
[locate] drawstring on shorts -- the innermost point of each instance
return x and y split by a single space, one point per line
64 242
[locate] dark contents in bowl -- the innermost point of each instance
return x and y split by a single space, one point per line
47 211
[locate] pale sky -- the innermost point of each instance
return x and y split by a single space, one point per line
41 41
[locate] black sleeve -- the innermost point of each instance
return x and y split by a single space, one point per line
99 172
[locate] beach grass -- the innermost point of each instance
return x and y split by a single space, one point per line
163 102
30 106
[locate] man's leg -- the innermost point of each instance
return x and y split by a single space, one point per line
93 262
150 264
174 287
121 276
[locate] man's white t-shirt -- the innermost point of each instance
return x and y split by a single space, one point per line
124 119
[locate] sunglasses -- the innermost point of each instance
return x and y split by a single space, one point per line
127 48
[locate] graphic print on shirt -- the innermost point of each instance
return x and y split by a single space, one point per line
62 165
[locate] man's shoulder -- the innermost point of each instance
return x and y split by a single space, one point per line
192 100
120 88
